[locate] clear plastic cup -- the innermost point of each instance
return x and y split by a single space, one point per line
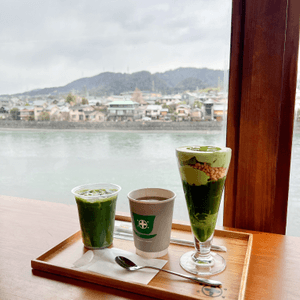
96 205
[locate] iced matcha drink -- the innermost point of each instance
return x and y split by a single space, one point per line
96 208
203 172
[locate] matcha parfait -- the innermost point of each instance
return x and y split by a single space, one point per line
96 205
203 171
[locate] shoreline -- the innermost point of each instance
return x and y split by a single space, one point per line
109 130
204 127
154 126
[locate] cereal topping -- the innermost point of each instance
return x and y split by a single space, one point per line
214 173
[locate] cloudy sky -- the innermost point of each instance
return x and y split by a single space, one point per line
53 42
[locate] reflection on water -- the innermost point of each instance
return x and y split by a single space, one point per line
46 165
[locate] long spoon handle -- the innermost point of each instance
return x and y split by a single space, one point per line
194 278
126 234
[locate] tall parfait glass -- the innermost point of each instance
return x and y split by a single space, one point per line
203 171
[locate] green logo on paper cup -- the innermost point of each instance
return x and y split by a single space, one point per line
143 226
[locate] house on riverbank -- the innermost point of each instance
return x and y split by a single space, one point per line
179 107
122 110
82 113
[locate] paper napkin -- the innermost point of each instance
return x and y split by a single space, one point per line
102 261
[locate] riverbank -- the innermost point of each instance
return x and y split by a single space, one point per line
204 126
114 126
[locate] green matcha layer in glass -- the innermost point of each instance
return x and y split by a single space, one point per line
96 205
203 171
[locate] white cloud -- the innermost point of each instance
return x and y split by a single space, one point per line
51 43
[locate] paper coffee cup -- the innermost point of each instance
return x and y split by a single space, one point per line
151 215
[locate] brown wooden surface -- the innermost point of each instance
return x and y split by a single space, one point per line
29 228
265 38
59 260
234 110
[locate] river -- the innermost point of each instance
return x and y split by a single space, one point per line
47 164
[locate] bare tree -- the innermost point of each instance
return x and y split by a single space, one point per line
137 96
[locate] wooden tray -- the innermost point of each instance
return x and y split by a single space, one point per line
59 260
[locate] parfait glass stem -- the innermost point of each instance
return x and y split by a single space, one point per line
202 261
202 254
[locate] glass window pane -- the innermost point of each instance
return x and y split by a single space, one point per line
155 53
293 216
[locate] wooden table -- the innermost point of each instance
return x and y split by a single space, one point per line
30 227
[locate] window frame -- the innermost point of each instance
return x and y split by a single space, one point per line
261 100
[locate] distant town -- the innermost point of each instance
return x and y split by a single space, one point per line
132 106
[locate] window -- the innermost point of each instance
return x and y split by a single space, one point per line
262 86
293 216
180 37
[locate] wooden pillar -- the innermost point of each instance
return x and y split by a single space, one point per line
262 85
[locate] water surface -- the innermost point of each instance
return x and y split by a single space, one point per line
46 165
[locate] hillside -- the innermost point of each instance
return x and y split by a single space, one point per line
107 83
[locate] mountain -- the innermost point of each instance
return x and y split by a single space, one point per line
107 83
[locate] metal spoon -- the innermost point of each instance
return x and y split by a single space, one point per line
131 266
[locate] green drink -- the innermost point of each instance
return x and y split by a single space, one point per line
96 205
203 171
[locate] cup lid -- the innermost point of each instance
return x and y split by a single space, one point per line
96 190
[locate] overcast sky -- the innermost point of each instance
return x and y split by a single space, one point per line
53 42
